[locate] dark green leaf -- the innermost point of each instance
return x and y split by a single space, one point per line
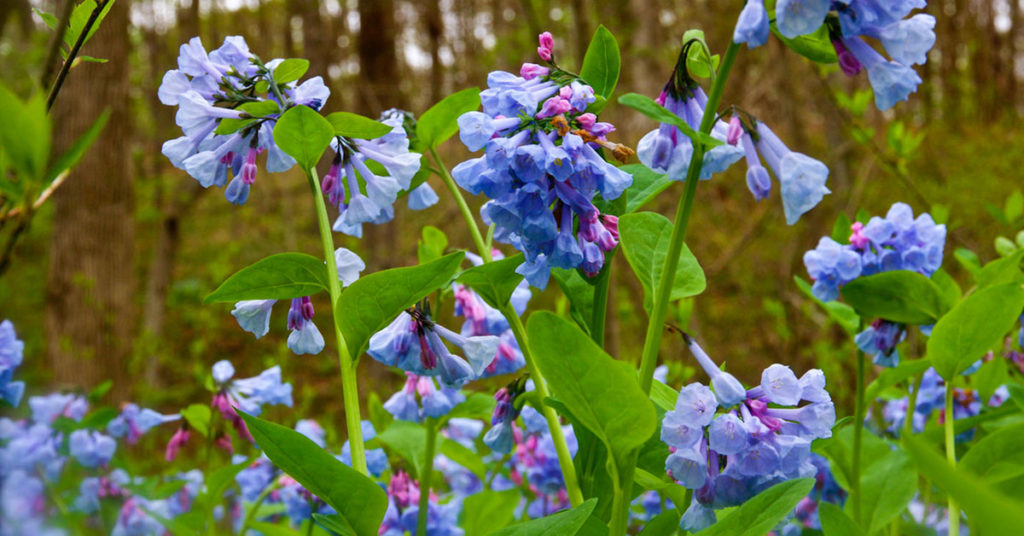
494 281
354 496
836 523
759 515
998 459
814 46
372 302
439 122
462 455
273 529
1001 271
657 112
252 110
891 376
645 239
74 153
277 277
973 327
899 296
888 486
303 134
219 481
563 523
25 136
646 186
408 440
839 312
663 524
290 70
580 294
601 63
841 229
489 510
356 126
990 377
335 523
948 289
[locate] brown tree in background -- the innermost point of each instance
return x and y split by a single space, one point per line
90 309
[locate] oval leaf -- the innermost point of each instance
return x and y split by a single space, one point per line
354 496
899 296
657 112
277 277
815 46
759 515
369 304
646 186
494 281
290 70
974 326
356 126
560 524
439 122
601 63
645 238
303 134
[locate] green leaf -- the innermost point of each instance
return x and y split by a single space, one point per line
432 245
439 122
580 294
990 377
335 523
74 153
187 524
998 459
657 112
79 16
949 290
252 111
273 529
888 486
277 277
602 393
759 515
372 302
563 523
663 396
841 229
645 238
494 281
698 62
464 456
601 63
356 126
290 70
975 325
1014 207
303 134
891 376
218 482
49 20
25 136
815 46
489 510
836 523
839 451
899 296
839 312
988 510
1001 271
646 185
354 496
663 524
969 260
408 440
198 417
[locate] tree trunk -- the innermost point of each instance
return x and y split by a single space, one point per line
90 309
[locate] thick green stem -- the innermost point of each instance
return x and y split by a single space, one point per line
600 312
858 434
349 386
954 508
428 473
554 426
652 341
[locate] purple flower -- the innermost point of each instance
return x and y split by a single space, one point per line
133 422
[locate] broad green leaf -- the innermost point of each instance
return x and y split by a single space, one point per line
899 296
969 260
356 126
408 440
891 376
815 46
353 495
836 523
303 134
645 239
432 245
372 302
646 186
841 229
988 510
1001 271
439 122
839 312
494 281
25 136
974 326
462 455
759 515
990 377
74 153
593 527
998 459
273 529
198 417
657 112
252 111
663 396
564 523
649 481
601 63
277 277
49 20
489 510
888 486
839 451
580 294
290 70
335 523
663 524
949 290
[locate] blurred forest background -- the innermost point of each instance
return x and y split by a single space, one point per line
108 281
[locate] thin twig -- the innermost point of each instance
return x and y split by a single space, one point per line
58 38
42 197
66 66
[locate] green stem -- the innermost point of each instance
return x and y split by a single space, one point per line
554 426
954 508
251 514
600 312
652 341
858 434
908 421
428 473
349 386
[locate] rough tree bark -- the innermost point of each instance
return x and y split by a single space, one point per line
90 309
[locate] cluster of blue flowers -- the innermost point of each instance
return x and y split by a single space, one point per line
760 437
805 515
897 242
403 509
11 354
542 169
907 40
